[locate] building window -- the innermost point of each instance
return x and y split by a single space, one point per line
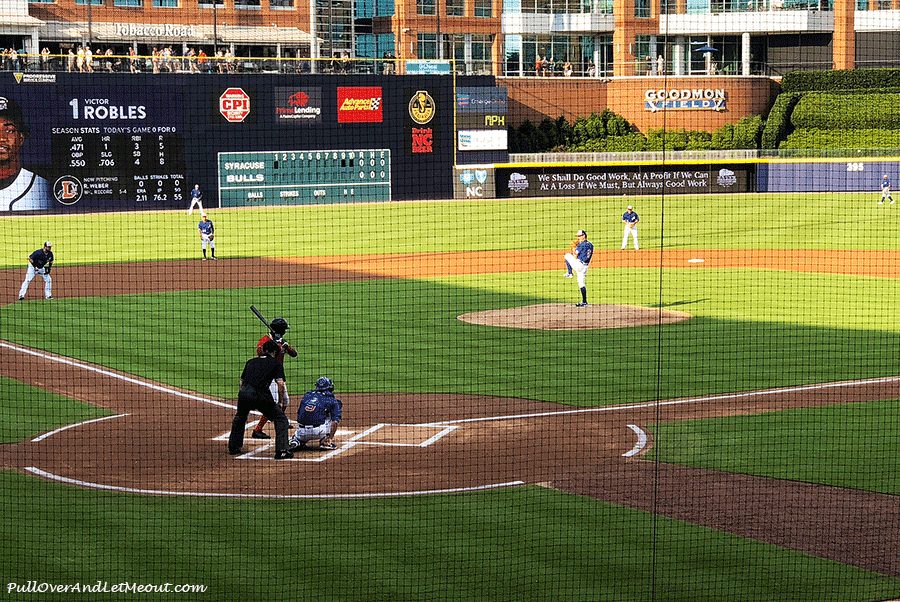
427 46
642 8
456 8
484 8
92 2
281 3
128 3
164 3
41 1
481 54
245 4
426 7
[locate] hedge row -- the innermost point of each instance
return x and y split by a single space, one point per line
836 139
829 81
608 132
819 110
778 124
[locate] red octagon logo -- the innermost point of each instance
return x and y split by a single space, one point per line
234 105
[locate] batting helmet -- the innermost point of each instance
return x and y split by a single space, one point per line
324 384
279 325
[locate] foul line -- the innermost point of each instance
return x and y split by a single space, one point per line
653 404
128 379
322 496
71 426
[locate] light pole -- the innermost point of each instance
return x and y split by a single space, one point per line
440 47
90 16
215 28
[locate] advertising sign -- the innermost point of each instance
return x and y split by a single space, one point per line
428 68
474 183
298 105
623 180
359 105
472 140
234 105
685 98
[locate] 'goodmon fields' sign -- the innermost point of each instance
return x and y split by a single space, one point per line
685 98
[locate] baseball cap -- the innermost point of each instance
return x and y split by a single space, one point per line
581 233
630 207
47 243
11 111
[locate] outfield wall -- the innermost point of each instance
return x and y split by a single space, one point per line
845 175
110 141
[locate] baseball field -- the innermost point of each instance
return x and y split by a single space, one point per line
722 422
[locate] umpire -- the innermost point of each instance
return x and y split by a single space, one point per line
258 373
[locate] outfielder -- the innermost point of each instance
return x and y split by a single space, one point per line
196 200
207 236
318 415
39 264
886 190
630 219
278 327
579 261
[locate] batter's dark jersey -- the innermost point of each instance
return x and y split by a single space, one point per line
259 372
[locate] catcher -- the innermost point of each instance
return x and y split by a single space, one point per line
277 327
318 415
207 235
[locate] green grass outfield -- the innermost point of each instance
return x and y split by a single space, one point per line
769 221
475 547
752 329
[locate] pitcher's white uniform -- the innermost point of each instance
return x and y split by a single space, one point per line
630 219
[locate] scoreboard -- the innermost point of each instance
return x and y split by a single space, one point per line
104 165
304 177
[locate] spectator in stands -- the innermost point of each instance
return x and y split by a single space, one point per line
567 69
591 69
88 59
660 65
70 61
45 59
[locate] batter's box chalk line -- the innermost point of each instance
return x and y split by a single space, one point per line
357 439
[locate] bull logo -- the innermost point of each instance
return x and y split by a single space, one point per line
421 107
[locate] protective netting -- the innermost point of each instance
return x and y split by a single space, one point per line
594 337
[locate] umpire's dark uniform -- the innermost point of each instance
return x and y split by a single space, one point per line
258 373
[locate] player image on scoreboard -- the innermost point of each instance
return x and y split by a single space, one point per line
304 177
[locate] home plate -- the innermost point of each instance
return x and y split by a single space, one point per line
224 436
696 260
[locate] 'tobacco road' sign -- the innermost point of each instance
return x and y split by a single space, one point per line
234 105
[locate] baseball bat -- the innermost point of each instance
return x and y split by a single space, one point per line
262 319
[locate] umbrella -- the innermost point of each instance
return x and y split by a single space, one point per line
706 49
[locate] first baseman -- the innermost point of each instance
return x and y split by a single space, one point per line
579 261
630 219
886 190
277 327
318 415
39 264
207 236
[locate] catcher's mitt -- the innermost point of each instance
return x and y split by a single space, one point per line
211 236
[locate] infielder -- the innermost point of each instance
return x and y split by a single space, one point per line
278 327
630 219
318 415
579 260
39 264
886 190
207 236
196 200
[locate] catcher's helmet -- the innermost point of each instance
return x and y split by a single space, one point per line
279 325
324 384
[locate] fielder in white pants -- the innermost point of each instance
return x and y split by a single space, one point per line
29 276
579 261
630 219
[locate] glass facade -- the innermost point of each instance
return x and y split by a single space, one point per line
567 7
334 25
589 55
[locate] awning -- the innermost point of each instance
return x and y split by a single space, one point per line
174 34
8 22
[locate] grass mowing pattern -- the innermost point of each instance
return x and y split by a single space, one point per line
852 445
404 549
743 221
29 411
403 335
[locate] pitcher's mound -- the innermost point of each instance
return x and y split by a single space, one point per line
562 316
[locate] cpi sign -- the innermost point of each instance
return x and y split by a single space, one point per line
234 105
